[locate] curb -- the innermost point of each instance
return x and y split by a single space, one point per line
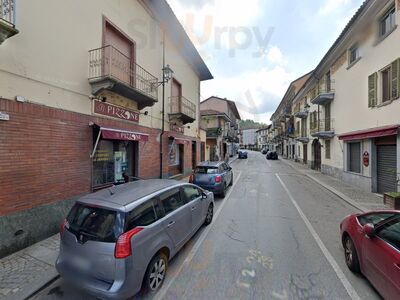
331 189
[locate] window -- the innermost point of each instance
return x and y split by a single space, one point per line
111 160
142 215
206 170
374 218
173 153
354 157
172 200
354 54
94 223
191 193
327 149
386 84
388 22
390 232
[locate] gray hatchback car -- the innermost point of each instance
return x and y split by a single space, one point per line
118 241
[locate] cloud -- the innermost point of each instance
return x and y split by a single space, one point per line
331 6
276 57
256 92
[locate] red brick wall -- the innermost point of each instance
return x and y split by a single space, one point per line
44 154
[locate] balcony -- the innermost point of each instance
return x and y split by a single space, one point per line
322 129
325 93
7 20
110 70
182 109
214 133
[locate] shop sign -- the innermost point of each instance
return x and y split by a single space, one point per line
109 134
366 159
4 116
176 128
107 109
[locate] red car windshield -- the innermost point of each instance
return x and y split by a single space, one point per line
374 218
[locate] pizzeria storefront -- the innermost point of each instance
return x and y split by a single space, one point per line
114 156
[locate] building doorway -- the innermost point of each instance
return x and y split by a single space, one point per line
316 146
194 155
203 151
305 150
386 168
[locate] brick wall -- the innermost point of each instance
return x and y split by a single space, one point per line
45 154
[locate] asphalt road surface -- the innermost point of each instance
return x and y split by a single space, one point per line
274 236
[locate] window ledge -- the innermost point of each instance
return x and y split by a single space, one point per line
381 38
386 103
353 63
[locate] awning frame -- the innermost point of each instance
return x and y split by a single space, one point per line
370 133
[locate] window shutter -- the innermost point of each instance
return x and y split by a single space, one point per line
395 78
372 93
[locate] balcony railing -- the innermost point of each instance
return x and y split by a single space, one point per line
7 19
325 92
183 108
111 69
7 12
322 128
214 132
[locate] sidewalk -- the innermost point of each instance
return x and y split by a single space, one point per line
26 271
356 197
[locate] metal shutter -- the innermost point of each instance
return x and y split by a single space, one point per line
387 177
355 159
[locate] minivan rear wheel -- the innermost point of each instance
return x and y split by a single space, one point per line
156 272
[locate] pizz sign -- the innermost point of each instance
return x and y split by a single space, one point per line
107 109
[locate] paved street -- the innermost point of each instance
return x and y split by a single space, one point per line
274 236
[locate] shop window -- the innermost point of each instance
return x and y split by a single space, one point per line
173 154
354 157
112 159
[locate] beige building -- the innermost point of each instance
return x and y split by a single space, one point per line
220 118
91 99
348 110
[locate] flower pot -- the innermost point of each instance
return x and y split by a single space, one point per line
392 200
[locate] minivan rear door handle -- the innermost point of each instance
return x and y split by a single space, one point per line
193 208
170 224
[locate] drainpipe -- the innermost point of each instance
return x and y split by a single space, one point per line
162 111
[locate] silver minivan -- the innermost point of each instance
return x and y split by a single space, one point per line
118 241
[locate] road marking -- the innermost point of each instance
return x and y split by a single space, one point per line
161 294
350 290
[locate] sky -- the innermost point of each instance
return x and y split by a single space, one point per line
256 48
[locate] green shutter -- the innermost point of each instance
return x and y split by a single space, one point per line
372 90
395 78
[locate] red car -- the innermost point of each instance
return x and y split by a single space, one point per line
371 243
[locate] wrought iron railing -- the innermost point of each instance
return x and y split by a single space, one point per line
214 132
181 105
109 62
326 86
7 11
323 125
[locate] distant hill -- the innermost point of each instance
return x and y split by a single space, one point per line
250 124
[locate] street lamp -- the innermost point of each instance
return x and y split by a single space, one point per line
306 108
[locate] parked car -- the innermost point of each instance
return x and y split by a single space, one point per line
264 151
371 243
242 154
118 241
272 155
213 176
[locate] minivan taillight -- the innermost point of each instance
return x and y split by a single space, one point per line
62 227
123 247
218 178
191 178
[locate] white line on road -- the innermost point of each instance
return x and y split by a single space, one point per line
350 290
198 243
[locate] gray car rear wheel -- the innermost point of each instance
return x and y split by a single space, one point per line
156 272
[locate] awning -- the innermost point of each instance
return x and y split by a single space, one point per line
370 133
117 134
122 135
180 141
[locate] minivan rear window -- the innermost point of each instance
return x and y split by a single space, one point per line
206 170
95 223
